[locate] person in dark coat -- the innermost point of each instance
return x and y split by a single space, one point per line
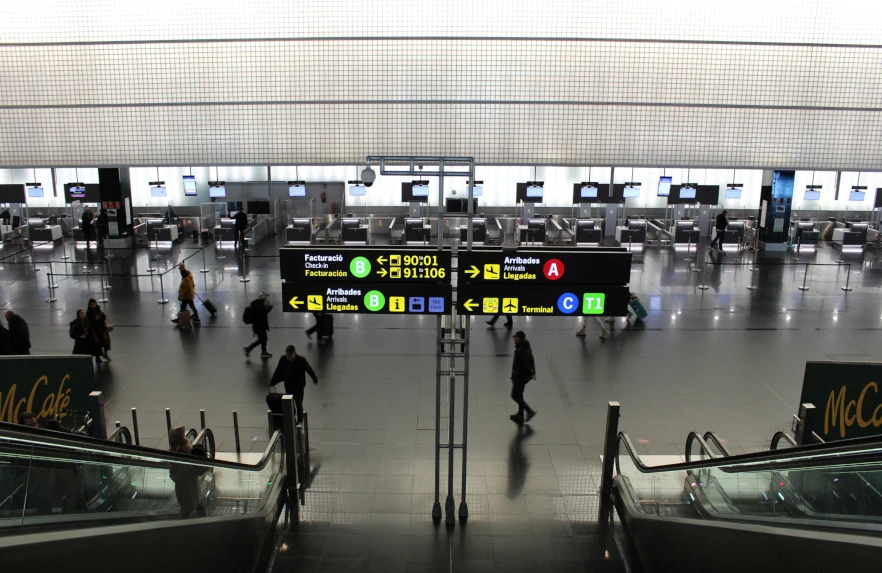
97 325
260 307
79 331
523 369
19 335
86 225
186 476
5 342
292 370
103 224
241 219
721 223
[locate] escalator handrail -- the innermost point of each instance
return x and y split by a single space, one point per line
730 464
76 443
694 437
712 437
206 436
121 432
776 439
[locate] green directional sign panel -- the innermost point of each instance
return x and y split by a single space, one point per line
353 263
360 297
543 300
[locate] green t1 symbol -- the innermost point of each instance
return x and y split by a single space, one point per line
360 267
374 300
592 302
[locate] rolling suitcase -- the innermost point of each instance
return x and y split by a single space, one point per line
184 322
209 306
639 309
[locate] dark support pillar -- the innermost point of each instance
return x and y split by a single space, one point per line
609 461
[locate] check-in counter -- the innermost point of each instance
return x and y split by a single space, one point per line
851 235
733 235
352 231
804 234
225 232
416 231
588 232
685 232
633 234
533 232
479 230
299 231
40 231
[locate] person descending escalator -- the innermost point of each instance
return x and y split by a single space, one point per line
186 476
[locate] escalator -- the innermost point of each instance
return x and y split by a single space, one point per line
816 506
73 501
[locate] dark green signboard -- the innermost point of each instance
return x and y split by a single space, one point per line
48 386
848 397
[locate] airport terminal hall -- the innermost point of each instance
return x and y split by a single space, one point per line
451 286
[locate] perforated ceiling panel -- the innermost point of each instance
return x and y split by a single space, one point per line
666 83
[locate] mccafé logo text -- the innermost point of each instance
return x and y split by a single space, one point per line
55 403
847 414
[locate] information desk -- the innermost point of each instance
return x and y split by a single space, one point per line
543 300
359 264
609 267
354 297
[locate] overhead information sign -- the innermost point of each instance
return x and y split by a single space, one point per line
357 265
545 267
353 296
543 300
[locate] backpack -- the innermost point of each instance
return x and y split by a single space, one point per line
248 315
73 331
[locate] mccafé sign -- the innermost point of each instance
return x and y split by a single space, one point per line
846 396
48 386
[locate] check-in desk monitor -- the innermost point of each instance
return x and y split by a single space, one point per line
299 231
479 231
587 232
351 231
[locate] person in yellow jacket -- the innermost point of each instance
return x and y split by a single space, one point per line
187 292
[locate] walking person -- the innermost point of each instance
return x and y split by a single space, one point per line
721 224
523 369
5 341
79 332
605 331
100 331
19 334
241 219
508 320
255 314
186 476
292 370
187 293
103 226
86 225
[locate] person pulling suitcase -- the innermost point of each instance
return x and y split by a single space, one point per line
292 370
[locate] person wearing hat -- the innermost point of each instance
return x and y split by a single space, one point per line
292 370
523 369
258 311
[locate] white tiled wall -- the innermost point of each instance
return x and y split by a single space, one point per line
750 84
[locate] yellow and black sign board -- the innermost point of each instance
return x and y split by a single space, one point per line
355 297
357 264
542 300
602 266
46 386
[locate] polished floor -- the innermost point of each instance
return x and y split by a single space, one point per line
727 359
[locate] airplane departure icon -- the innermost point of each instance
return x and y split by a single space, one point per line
509 305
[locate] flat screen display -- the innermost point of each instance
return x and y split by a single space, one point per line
687 193
357 190
296 190
35 192
420 191
217 191
157 191
857 195
477 191
733 193
664 186
631 192
588 193
812 195
535 192
189 185
77 192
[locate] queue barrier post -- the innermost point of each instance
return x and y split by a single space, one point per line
236 430
847 288
804 288
162 299
135 426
